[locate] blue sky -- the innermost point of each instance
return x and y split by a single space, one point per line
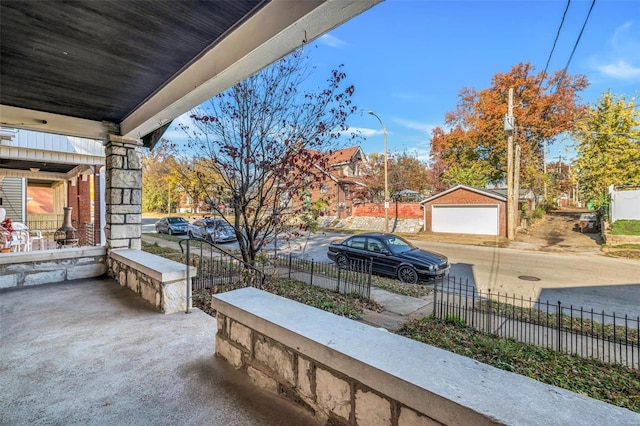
408 59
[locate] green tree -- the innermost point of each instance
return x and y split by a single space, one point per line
473 175
608 147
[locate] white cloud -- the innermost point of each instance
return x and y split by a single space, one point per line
621 61
422 151
365 131
621 70
618 41
332 41
416 125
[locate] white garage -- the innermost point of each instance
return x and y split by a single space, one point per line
466 210
465 219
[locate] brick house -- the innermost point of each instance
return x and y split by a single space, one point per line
466 210
342 174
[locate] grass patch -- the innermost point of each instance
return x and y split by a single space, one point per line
398 287
626 246
584 325
625 227
613 384
165 252
167 237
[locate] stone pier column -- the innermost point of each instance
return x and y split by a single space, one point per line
123 193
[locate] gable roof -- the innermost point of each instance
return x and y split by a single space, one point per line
525 193
481 191
344 156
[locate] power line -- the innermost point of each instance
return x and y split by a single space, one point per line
575 46
553 48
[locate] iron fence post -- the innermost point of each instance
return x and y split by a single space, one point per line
489 311
188 290
369 279
559 325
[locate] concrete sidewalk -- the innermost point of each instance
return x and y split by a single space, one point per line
92 353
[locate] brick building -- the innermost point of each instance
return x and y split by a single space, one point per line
343 173
466 210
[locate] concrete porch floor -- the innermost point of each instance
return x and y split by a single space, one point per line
91 353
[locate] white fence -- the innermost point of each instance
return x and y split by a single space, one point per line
625 203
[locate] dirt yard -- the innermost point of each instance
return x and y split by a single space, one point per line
559 231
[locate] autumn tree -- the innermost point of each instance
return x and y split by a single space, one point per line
157 166
265 138
608 147
194 178
561 179
474 136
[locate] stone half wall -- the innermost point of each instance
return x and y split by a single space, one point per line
349 373
158 281
51 266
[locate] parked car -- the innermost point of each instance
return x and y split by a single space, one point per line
214 230
172 225
390 255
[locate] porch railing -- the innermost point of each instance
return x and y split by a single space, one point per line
46 223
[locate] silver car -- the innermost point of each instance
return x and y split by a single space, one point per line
214 230
172 225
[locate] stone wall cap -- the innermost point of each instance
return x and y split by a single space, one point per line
396 365
157 267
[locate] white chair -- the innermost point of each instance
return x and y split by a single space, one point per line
21 240
35 235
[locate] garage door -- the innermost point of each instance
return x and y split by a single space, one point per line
465 219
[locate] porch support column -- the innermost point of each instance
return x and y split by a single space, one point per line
84 206
123 193
72 200
97 206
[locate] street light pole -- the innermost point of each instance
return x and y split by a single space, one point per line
386 182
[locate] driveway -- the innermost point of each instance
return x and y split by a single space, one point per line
559 231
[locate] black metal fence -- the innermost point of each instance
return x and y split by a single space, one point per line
608 337
356 279
224 270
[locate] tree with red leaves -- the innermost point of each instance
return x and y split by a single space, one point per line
544 107
265 138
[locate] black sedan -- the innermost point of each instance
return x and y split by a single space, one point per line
390 255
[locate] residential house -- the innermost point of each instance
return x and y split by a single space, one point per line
341 175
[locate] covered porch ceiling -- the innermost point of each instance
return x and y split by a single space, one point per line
128 67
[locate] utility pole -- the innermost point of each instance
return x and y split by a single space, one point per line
508 127
516 186
544 168
386 178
